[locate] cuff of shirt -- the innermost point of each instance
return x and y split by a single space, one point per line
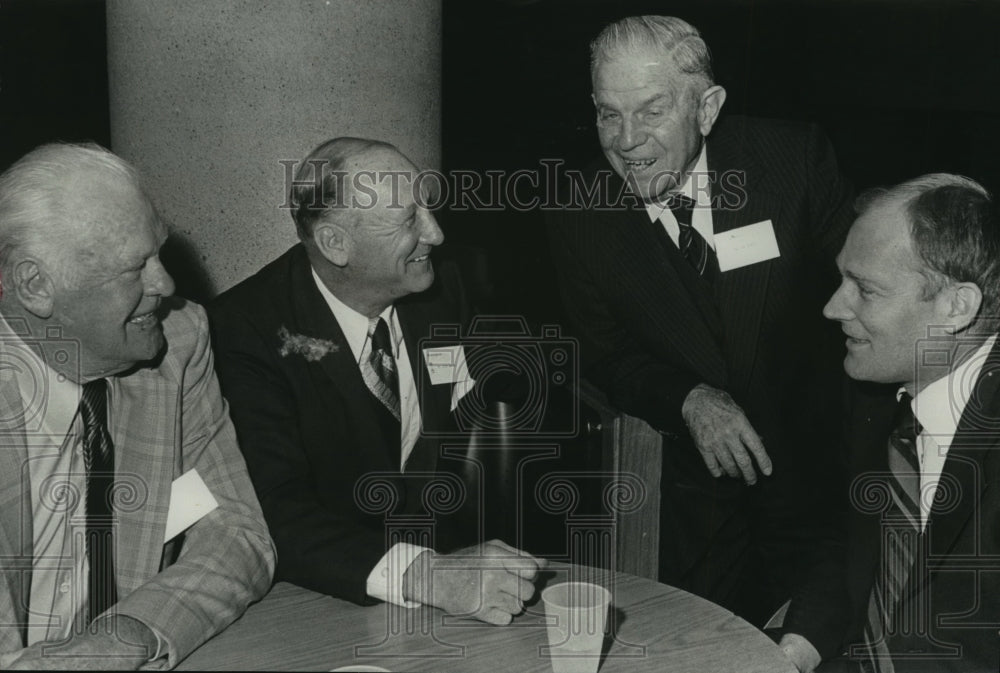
385 581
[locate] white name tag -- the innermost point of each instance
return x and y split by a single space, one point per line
190 500
747 245
446 364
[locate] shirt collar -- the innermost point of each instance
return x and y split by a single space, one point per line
940 405
354 324
49 400
701 197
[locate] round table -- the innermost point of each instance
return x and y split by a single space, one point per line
653 627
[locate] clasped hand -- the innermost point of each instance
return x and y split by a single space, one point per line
723 435
489 581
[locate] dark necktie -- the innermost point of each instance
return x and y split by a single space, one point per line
378 370
99 459
900 535
903 462
385 384
692 245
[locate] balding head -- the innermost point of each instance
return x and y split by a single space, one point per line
320 185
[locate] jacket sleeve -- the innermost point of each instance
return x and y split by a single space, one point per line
226 560
320 549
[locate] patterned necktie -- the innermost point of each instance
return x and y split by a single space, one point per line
380 373
900 536
692 245
99 459
903 462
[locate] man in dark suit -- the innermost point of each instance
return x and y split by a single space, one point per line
335 398
697 297
919 302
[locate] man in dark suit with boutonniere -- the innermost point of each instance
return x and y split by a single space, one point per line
336 401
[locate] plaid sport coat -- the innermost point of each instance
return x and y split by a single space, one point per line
165 418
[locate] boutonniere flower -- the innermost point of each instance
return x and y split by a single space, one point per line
313 349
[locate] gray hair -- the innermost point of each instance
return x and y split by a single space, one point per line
667 34
319 181
33 199
955 232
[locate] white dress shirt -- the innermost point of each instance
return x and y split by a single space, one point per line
385 581
939 408
696 187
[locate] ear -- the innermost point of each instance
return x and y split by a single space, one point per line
709 106
33 287
333 242
961 304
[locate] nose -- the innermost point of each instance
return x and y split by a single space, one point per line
837 307
430 232
156 280
632 135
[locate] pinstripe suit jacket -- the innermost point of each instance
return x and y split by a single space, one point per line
651 329
165 419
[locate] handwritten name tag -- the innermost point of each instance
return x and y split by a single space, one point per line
446 364
747 245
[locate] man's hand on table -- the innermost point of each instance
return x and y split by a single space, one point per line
489 581
723 435
129 645
800 652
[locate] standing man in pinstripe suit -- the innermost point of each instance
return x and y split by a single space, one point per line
697 297
107 396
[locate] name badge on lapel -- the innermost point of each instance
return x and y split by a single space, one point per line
747 245
446 364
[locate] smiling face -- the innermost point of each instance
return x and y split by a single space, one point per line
391 236
108 299
649 123
880 300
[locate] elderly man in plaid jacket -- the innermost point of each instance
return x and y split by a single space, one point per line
129 531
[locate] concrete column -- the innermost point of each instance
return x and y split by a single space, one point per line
208 96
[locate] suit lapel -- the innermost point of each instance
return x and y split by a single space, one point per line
16 530
966 474
740 292
144 418
685 319
435 400
313 318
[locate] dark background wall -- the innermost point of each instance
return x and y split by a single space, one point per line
901 87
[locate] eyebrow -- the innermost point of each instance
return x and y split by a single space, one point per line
860 279
646 103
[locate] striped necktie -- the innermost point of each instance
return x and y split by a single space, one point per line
99 459
379 367
692 245
900 537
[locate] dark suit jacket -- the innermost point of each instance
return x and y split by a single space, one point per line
960 590
325 476
651 329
